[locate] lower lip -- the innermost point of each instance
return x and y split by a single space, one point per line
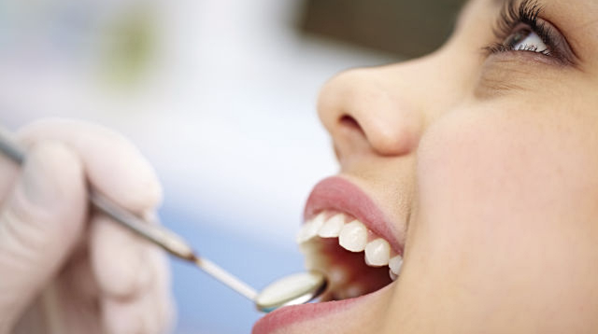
292 314
288 315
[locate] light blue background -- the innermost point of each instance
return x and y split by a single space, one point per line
223 106
205 305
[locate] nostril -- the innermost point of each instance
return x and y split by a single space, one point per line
351 123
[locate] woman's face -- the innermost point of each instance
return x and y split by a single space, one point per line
478 165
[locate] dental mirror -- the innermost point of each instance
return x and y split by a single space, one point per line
291 290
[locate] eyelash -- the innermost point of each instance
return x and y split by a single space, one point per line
515 19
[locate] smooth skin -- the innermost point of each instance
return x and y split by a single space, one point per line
489 164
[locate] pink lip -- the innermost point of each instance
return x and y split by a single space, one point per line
337 193
291 314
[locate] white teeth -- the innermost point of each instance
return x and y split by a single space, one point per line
377 253
310 229
302 236
332 228
353 291
353 236
337 275
395 264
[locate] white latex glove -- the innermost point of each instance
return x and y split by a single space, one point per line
64 269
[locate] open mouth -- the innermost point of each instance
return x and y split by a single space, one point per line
356 260
347 238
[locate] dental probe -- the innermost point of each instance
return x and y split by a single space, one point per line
291 290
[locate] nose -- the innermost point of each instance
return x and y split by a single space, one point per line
366 109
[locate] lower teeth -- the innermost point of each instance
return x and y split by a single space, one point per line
353 291
348 274
337 276
325 232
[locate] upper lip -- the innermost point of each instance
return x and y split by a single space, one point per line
338 193
334 194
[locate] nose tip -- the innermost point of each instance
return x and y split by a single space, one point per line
362 105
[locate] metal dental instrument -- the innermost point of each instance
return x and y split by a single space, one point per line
291 290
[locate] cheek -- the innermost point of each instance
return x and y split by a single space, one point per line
470 164
509 163
506 165
502 191
503 195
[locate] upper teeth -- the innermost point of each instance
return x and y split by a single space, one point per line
332 227
377 253
353 236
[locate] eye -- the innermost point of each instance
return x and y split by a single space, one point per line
520 27
526 39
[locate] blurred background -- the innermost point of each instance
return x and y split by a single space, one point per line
220 96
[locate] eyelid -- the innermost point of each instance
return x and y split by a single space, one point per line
558 43
531 13
561 43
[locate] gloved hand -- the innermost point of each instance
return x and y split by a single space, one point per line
63 268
